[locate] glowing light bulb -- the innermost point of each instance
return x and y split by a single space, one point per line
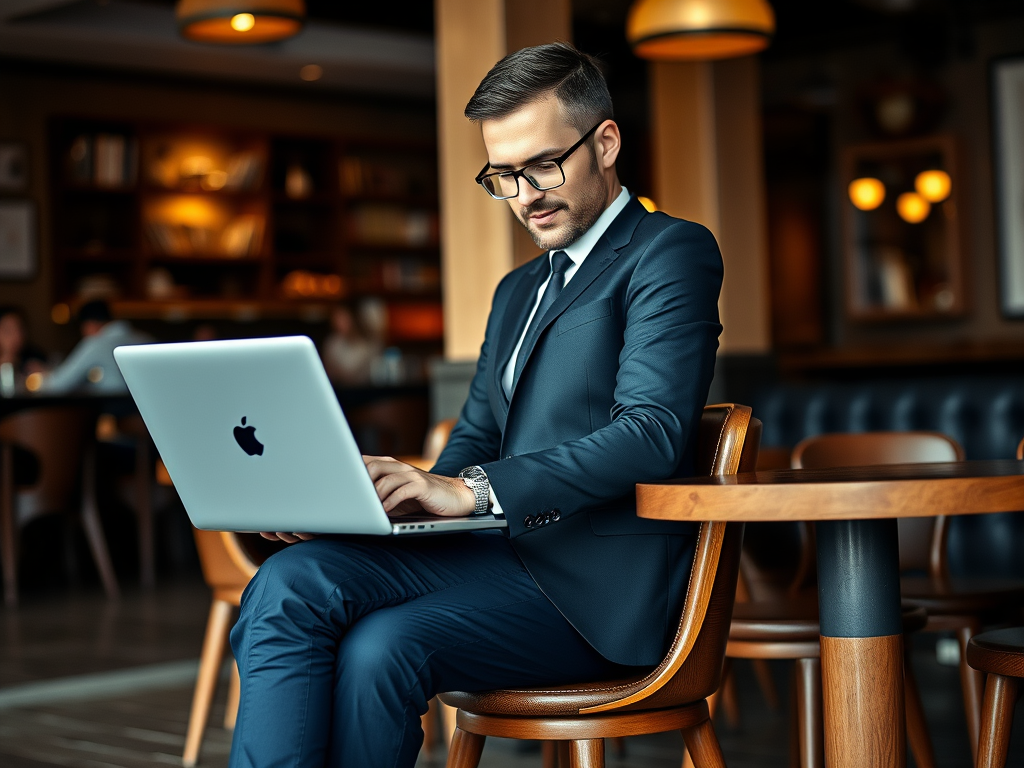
867 193
933 186
243 22
912 208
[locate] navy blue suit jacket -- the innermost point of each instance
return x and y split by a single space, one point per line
610 396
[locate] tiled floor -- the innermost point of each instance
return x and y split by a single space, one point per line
88 684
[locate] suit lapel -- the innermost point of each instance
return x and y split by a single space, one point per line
617 236
517 310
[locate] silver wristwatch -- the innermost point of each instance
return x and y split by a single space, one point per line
476 479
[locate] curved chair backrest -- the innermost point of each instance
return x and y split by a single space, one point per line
727 444
1020 450
227 565
59 437
922 539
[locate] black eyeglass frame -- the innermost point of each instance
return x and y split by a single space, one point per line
521 173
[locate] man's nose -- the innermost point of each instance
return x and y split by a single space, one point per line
528 194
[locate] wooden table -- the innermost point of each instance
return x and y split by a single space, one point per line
855 510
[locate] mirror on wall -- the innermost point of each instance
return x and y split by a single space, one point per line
901 230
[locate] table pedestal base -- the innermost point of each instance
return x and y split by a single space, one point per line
859 676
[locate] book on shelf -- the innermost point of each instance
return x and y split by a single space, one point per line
393 225
106 160
243 236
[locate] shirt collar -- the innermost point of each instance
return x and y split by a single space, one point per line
579 250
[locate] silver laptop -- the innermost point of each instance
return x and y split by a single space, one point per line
254 439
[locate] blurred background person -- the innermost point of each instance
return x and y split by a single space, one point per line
15 348
348 351
91 366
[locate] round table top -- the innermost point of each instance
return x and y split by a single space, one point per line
847 493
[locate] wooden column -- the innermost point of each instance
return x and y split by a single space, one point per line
708 167
479 244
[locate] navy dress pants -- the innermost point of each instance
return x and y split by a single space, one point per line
341 642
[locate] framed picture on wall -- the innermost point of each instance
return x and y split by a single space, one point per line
17 239
13 166
1008 158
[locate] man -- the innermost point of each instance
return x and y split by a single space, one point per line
90 366
594 369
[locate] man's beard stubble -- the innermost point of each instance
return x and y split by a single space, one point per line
581 217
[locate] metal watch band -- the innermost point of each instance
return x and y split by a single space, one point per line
476 479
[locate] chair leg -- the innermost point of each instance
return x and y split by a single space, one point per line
94 528
8 529
618 745
973 683
586 753
563 754
702 744
465 750
917 726
234 694
996 720
549 754
713 700
730 701
766 683
144 513
206 683
809 718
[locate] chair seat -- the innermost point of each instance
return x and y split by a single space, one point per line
962 596
999 652
562 700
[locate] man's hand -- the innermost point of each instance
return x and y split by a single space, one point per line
404 490
287 538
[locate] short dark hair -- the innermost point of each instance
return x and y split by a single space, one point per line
531 73
97 310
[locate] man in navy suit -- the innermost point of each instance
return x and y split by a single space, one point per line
595 366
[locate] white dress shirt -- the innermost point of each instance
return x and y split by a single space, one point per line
577 253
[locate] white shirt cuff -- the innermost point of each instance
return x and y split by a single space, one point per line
495 506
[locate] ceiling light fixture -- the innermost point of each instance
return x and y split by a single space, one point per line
933 186
699 29
866 193
239 22
912 208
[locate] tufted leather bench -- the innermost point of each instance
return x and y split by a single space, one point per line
984 414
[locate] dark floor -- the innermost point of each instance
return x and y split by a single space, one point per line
86 683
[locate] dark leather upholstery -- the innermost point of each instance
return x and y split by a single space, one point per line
985 414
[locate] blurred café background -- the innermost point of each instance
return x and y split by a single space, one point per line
165 177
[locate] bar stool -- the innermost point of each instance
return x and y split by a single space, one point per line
999 654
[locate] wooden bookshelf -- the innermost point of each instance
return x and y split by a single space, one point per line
198 222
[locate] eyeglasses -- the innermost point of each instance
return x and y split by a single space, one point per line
544 175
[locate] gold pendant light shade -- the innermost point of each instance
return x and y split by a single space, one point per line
674 30
239 22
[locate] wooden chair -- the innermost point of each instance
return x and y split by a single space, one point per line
227 569
958 605
673 695
1000 655
61 438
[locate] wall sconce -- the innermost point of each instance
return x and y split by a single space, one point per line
912 208
866 193
239 22
933 186
699 29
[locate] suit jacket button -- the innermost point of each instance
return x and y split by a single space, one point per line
509 456
528 521
556 515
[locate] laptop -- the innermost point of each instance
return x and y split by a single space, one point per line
254 439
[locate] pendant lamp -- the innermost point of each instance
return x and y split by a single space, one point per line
239 22
673 30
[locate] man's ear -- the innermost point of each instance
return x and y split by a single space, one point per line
608 142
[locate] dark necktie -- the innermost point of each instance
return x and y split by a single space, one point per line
560 262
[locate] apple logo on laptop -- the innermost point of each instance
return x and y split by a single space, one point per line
246 439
